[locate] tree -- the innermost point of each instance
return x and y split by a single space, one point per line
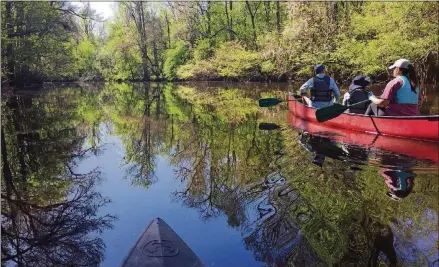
252 12
37 40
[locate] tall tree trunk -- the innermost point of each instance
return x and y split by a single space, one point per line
169 31
9 48
252 17
18 68
136 11
229 20
209 26
232 33
278 16
143 37
227 16
267 14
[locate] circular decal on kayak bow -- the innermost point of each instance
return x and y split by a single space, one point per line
160 248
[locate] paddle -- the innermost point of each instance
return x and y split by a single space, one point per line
268 102
331 112
268 126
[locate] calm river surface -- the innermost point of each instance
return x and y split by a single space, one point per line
85 168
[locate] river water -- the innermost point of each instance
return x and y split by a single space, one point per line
86 167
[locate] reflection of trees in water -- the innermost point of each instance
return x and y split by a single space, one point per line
232 168
357 208
336 221
137 111
56 234
208 178
225 165
223 178
49 212
215 162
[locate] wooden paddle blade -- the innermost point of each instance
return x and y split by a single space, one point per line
327 113
268 102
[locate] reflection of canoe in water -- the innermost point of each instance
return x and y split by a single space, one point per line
160 246
415 127
401 146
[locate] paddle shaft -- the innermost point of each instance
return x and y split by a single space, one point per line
358 103
333 111
268 102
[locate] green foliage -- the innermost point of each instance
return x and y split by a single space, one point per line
38 42
203 40
197 70
234 64
120 57
203 49
86 53
224 64
175 57
384 32
267 66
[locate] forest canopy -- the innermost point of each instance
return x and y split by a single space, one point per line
221 40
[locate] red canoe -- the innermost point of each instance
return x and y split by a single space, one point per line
401 146
414 127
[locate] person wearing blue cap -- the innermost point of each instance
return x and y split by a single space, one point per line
322 88
357 93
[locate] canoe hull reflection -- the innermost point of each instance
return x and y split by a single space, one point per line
401 146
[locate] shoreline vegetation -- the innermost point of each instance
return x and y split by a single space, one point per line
244 41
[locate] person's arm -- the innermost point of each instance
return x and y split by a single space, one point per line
304 91
379 101
388 94
304 88
335 89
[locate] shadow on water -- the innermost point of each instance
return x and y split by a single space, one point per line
297 196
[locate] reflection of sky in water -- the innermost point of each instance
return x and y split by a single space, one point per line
214 242
418 242
257 220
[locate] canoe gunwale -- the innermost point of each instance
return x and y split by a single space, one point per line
428 117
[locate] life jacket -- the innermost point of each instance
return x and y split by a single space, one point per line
320 92
358 95
405 95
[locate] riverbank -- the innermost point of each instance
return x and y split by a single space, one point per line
217 41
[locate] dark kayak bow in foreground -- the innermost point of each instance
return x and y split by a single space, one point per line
160 246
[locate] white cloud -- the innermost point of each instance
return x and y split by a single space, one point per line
106 9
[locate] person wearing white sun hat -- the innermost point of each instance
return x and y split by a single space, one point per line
402 95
